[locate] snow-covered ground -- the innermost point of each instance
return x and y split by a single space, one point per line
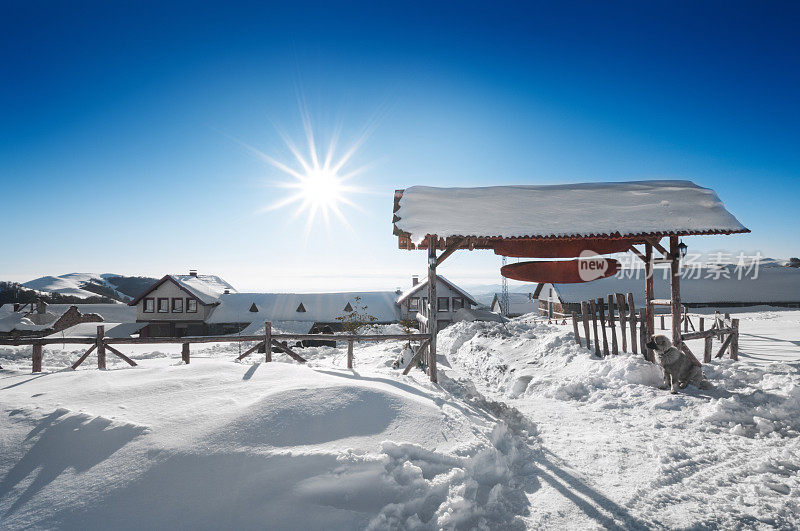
525 429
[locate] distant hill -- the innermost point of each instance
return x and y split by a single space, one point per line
84 286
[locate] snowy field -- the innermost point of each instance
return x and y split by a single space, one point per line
525 430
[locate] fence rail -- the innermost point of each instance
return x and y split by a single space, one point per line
278 342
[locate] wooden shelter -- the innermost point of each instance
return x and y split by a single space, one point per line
555 221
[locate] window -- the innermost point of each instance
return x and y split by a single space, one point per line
163 305
443 304
348 308
458 303
191 305
177 305
413 304
254 308
149 305
301 308
441 325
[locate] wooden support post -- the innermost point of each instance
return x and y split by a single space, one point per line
594 325
37 357
725 344
735 340
649 323
614 346
575 329
675 289
417 355
122 356
185 353
646 352
702 323
585 317
663 327
350 354
268 341
101 347
432 301
622 320
632 316
601 307
286 350
707 349
84 356
685 319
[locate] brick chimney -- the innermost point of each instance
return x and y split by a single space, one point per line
193 272
414 280
41 307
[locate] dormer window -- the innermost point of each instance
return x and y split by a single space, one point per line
301 308
254 308
348 308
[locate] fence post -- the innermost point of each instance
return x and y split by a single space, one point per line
662 323
643 335
601 307
735 341
101 347
350 354
185 353
611 320
575 329
37 357
593 303
632 314
585 316
268 340
622 319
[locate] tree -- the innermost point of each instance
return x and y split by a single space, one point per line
794 262
357 317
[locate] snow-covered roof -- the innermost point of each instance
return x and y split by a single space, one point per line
111 312
206 288
519 303
113 330
18 321
773 285
616 209
415 289
319 307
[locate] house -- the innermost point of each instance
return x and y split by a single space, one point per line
179 305
41 318
450 299
711 286
518 304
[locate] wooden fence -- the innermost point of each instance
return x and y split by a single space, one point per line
619 311
277 342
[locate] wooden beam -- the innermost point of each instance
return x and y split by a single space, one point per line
267 341
416 357
250 351
622 320
711 332
611 321
655 243
288 351
83 358
638 253
37 357
350 354
686 350
450 249
601 308
632 317
101 347
727 342
735 340
575 329
661 302
649 325
125 358
432 311
585 317
675 289
597 352
185 357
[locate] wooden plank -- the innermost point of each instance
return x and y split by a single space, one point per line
122 356
288 351
350 354
101 347
585 317
661 302
622 320
601 307
727 342
37 357
416 357
662 323
575 329
184 353
251 350
614 346
705 333
675 289
646 352
707 348
83 358
632 317
655 243
649 323
686 350
735 340
268 341
450 249
594 325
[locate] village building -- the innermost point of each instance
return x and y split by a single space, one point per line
40 318
710 286
518 304
449 299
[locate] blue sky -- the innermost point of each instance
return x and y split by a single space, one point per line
122 125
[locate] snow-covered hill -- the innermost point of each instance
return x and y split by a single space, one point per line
86 285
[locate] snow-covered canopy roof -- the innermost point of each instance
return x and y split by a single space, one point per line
605 210
205 288
316 307
716 285
415 289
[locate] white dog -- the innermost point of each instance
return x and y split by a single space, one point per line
679 370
